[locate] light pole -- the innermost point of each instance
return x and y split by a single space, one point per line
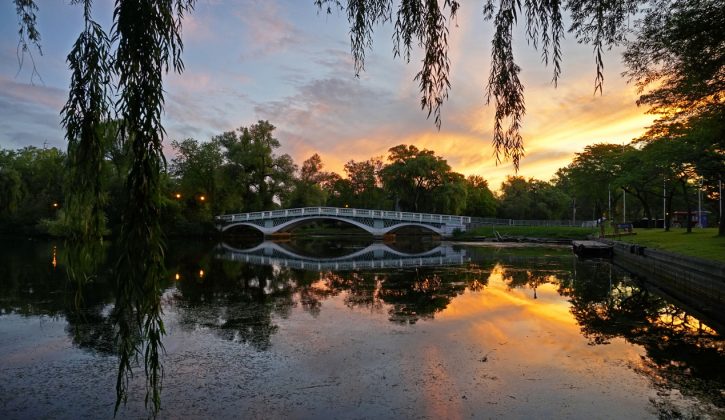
699 205
624 198
664 203
609 200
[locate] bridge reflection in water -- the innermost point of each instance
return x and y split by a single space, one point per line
374 256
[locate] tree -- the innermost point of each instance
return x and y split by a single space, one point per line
10 190
147 39
413 177
250 165
365 184
532 199
480 201
196 168
676 58
591 178
688 154
307 189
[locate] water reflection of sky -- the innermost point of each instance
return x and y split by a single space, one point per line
516 333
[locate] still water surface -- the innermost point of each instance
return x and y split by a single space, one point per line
329 329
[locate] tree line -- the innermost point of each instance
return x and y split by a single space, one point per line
243 171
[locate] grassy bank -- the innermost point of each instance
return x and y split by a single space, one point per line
544 232
703 243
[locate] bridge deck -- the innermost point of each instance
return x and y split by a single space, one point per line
346 212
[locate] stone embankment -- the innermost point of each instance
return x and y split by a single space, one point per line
698 283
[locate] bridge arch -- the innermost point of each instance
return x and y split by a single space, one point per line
291 224
269 248
249 225
288 226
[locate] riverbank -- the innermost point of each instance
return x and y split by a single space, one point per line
697 282
701 243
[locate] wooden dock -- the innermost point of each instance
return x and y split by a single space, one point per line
592 249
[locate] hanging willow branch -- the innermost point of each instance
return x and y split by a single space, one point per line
148 33
28 34
423 24
87 108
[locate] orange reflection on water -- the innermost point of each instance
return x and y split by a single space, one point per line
510 321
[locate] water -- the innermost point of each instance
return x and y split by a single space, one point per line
331 329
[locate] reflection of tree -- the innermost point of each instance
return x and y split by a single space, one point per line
69 280
28 280
237 301
411 295
516 278
681 353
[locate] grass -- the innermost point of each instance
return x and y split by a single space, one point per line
702 243
548 232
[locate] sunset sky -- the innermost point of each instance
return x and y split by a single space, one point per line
283 61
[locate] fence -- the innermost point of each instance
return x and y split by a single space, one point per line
489 221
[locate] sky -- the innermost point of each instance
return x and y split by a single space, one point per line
286 62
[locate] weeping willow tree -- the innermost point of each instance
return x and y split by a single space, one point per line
144 42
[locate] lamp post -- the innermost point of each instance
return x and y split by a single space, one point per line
609 200
699 204
664 203
624 199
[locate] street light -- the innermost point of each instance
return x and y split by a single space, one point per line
178 196
699 205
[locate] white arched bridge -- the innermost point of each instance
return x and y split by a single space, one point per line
374 256
377 222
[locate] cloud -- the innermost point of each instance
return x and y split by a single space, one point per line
268 30
30 115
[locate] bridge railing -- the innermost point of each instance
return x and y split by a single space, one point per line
346 212
489 221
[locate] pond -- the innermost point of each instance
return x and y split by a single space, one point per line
343 329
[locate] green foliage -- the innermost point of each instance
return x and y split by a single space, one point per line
148 36
84 113
533 199
677 57
591 178
419 180
10 190
252 172
31 188
480 201
307 190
